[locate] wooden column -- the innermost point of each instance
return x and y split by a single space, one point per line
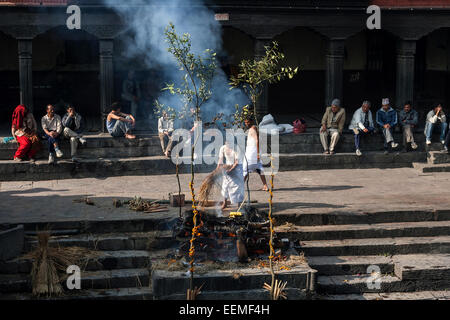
25 47
106 78
406 51
334 76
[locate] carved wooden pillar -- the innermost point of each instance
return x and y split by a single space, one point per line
106 78
406 50
334 73
25 47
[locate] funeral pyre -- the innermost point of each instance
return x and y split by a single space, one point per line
237 237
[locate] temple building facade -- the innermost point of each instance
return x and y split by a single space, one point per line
42 61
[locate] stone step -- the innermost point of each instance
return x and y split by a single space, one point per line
419 295
347 284
422 266
380 160
349 265
105 167
103 260
99 145
165 283
253 294
291 216
438 157
114 242
102 279
146 223
360 231
432 168
92 294
376 246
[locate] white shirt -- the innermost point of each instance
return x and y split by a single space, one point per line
165 125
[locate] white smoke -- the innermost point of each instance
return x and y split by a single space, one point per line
147 20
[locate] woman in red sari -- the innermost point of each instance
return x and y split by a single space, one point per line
23 130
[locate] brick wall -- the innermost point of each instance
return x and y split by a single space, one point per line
412 3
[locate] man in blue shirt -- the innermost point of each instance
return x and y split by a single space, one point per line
386 118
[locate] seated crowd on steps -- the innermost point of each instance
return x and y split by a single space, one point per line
386 119
24 128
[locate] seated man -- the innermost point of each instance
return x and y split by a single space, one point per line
362 124
436 117
119 124
332 124
165 129
52 126
408 119
73 128
386 118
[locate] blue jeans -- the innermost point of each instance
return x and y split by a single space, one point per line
51 141
121 128
358 132
429 130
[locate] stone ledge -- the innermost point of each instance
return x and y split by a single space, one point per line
11 242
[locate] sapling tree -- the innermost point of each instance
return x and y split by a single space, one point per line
255 74
252 78
197 72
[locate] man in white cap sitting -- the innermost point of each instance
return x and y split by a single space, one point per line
333 122
386 118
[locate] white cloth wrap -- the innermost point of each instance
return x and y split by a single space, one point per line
233 185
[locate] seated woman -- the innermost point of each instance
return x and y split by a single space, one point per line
233 178
120 124
23 129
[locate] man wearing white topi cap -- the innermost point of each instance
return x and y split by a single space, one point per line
386 118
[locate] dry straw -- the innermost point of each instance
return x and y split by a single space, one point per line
49 262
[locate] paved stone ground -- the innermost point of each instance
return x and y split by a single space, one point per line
357 190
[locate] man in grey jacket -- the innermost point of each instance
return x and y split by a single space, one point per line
333 122
408 119
436 117
73 129
362 124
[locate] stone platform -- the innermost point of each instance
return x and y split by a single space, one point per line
342 220
105 156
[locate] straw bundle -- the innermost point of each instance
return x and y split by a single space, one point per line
48 262
208 184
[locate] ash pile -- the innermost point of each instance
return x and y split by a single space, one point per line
228 239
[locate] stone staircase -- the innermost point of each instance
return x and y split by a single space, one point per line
120 269
409 251
126 251
437 161
106 156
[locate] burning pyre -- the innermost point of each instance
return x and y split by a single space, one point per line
228 238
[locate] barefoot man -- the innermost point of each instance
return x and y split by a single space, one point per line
233 178
120 124
252 160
